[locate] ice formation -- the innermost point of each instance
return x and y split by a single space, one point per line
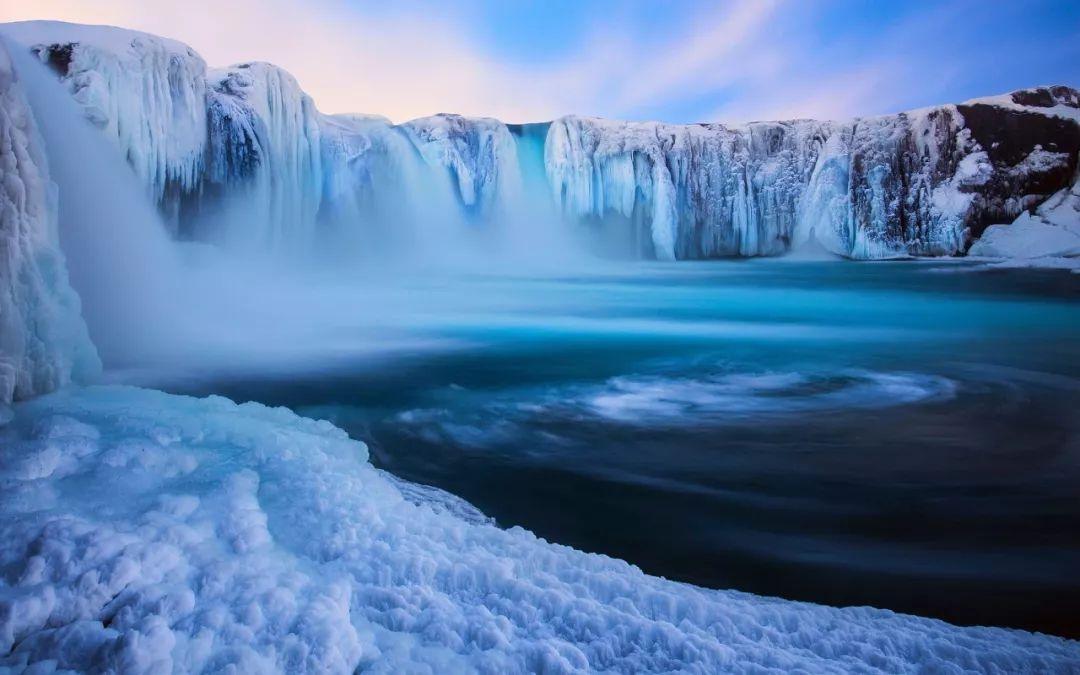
480 153
265 149
148 94
915 183
260 166
153 533
43 340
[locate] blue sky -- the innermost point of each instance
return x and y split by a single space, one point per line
683 61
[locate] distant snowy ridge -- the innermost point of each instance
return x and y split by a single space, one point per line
924 182
149 533
43 340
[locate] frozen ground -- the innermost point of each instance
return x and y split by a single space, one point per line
145 532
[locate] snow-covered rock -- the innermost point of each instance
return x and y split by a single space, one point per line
145 532
43 339
1051 231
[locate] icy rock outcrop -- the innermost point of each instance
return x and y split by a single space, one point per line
917 183
153 533
43 339
363 157
1051 231
209 145
380 194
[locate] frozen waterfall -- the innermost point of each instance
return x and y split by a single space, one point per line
241 156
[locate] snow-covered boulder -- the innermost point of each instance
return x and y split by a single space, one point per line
43 339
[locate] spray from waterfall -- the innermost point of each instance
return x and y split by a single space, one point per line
119 257
392 252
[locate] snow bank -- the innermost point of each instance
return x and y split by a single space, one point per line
43 340
149 533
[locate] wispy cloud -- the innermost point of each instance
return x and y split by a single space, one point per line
726 61
404 65
398 65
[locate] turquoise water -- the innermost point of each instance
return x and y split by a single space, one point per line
901 435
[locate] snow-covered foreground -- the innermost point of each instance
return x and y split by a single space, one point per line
145 532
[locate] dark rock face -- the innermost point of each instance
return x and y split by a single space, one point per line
57 56
895 169
1009 137
1047 97
233 151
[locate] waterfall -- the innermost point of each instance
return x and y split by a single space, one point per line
120 259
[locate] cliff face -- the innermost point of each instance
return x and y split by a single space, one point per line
43 340
247 140
918 183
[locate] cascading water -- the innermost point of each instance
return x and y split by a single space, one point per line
119 256
389 219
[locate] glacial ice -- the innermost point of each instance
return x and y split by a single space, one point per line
43 339
262 168
153 533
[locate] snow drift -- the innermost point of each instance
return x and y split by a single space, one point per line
925 182
153 533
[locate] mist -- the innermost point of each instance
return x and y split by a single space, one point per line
371 278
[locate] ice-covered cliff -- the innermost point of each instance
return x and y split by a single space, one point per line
480 154
263 153
256 164
146 93
43 339
918 183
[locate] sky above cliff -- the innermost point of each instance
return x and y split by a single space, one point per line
686 61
